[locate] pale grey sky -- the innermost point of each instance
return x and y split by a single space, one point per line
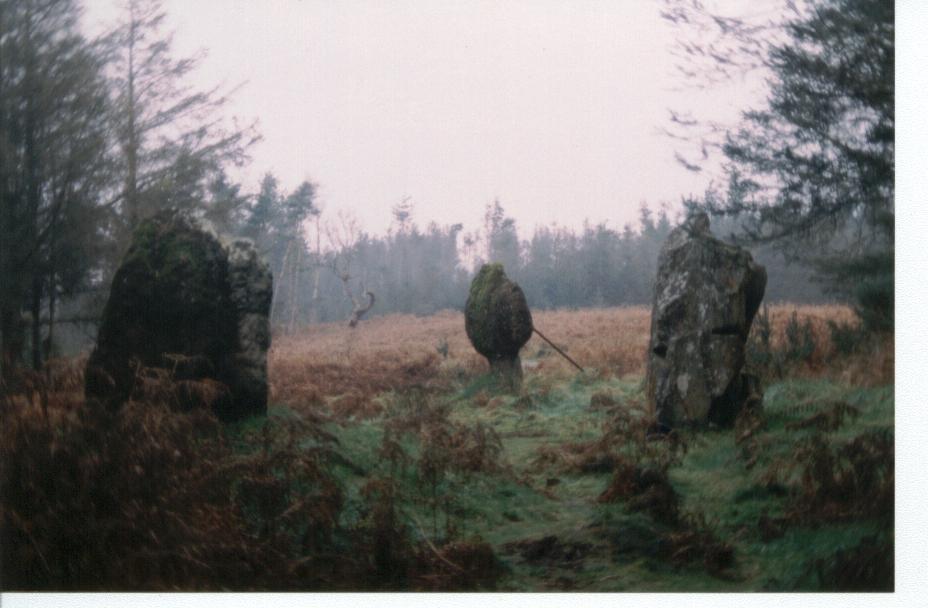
553 106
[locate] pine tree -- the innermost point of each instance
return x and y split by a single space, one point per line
226 205
171 135
53 164
813 170
502 240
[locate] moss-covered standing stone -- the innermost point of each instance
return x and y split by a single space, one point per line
180 290
498 321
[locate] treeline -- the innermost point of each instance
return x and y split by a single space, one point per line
97 134
420 271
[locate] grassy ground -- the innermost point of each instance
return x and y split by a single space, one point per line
547 526
389 461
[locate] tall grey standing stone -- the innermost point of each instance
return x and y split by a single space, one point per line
705 298
186 301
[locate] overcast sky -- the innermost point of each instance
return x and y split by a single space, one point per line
554 107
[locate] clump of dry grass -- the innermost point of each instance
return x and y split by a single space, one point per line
389 559
613 339
400 351
625 439
91 498
152 498
696 541
643 489
461 565
800 341
817 316
439 560
833 481
304 377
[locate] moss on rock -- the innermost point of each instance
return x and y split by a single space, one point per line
497 318
173 295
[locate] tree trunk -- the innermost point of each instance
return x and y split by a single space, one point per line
278 283
316 314
295 290
36 310
132 145
49 344
12 340
33 197
6 230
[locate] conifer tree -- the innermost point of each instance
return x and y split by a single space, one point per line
170 134
813 169
53 165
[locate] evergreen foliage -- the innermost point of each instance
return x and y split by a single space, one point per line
170 135
812 171
53 166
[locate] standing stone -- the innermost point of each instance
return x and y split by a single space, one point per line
498 322
705 298
191 304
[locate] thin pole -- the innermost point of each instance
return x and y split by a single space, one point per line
554 346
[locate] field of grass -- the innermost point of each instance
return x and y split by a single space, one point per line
389 461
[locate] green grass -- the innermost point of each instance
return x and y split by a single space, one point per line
606 547
714 481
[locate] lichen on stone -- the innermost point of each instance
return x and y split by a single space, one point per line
705 297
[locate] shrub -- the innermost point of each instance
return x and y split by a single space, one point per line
834 482
759 351
800 340
846 338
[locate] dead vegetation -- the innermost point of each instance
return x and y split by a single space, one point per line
398 351
868 566
160 496
155 497
831 480
393 560
818 341
624 441
639 464
423 449
117 501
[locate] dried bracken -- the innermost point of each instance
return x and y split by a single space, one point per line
159 496
834 480
152 498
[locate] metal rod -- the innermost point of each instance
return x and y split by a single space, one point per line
554 346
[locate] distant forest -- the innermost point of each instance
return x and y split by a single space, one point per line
419 271
98 134
323 266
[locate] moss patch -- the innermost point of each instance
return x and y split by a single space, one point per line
496 317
